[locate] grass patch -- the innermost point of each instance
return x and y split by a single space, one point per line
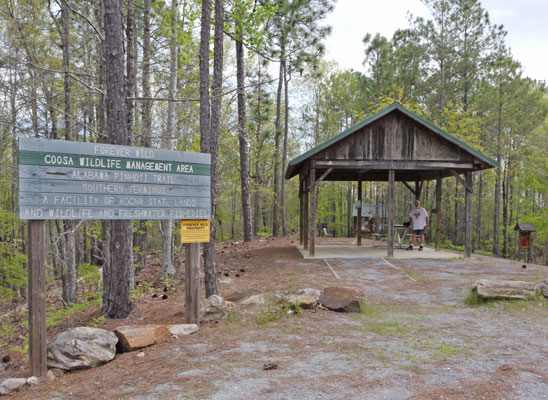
55 317
274 311
472 299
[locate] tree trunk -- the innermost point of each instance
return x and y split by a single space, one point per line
169 142
117 303
141 240
69 276
496 219
244 140
216 91
275 212
284 151
478 211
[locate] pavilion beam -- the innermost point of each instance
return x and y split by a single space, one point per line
322 177
306 213
468 187
468 217
438 213
391 164
418 189
391 175
312 222
408 186
360 200
301 211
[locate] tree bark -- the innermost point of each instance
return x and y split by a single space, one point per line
284 150
275 210
117 303
216 91
496 219
243 140
169 142
69 275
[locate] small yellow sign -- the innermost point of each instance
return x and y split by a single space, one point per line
195 231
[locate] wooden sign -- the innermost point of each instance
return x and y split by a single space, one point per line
74 180
195 231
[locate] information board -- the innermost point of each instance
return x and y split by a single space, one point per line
195 231
73 180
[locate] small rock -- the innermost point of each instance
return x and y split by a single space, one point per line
226 274
166 289
33 381
237 275
11 385
182 329
50 376
6 359
270 366
340 298
81 347
141 354
138 336
154 295
524 266
164 297
242 270
310 291
215 308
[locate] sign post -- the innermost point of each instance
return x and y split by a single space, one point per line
193 232
63 180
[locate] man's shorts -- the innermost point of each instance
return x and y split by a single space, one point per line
418 231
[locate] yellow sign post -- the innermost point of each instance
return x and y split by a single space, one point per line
195 231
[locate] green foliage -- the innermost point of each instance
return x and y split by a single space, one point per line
55 317
145 287
89 274
13 276
274 311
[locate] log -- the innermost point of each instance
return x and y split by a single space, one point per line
494 288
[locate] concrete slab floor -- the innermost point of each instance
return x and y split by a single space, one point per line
349 251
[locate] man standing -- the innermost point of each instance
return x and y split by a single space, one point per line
419 221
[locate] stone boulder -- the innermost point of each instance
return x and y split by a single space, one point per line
542 289
134 337
81 348
306 301
215 308
182 329
495 288
340 298
12 385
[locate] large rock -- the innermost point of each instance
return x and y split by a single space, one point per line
542 289
81 348
215 308
133 337
340 298
494 288
262 301
182 329
11 385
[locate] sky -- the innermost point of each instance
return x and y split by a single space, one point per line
526 22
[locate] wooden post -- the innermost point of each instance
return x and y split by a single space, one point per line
192 283
312 222
391 176
306 214
301 211
360 199
468 216
37 297
438 213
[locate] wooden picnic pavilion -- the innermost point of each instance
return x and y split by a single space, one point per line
394 144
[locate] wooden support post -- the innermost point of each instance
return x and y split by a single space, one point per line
438 213
192 283
37 297
418 190
301 212
312 222
306 214
390 230
359 228
468 216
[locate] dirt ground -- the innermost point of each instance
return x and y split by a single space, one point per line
416 338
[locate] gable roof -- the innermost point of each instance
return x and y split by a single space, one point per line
292 165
